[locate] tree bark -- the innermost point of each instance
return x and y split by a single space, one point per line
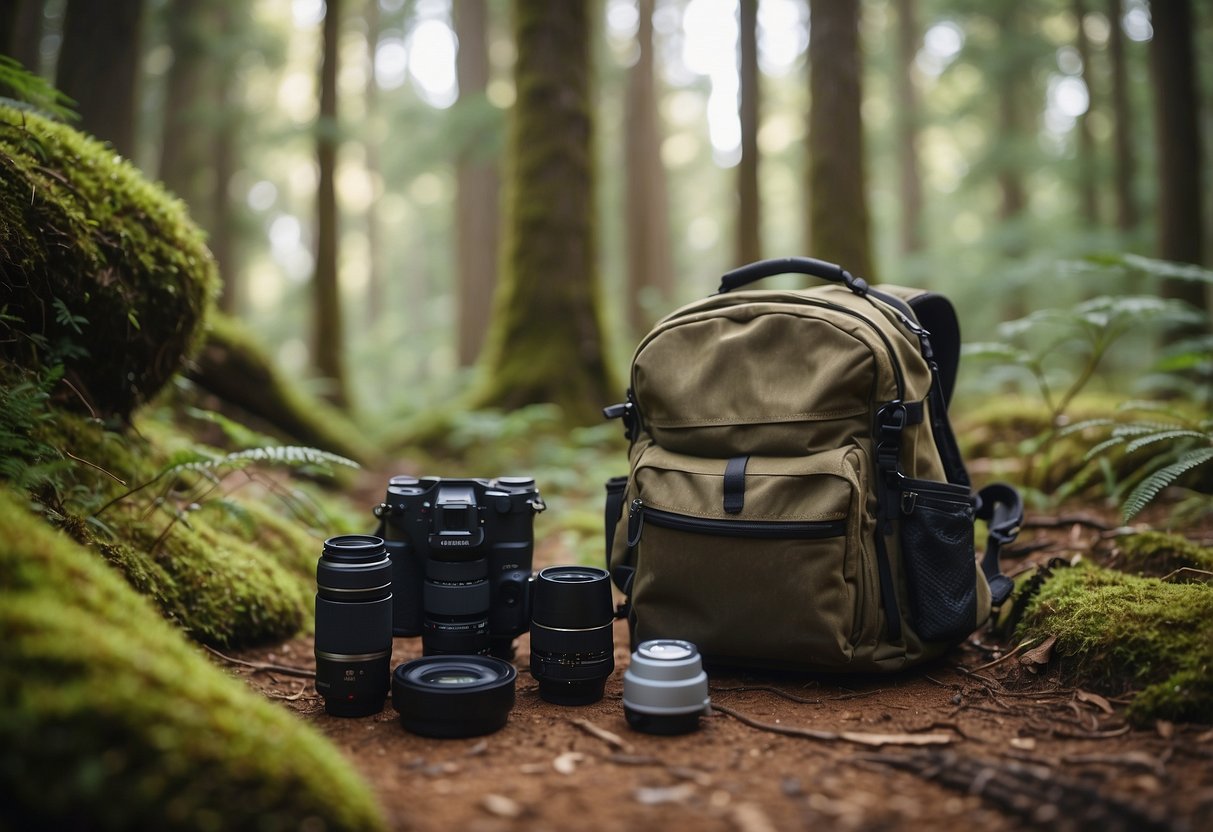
328 335
908 41
1127 213
189 118
477 215
21 32
837 182
376 281
547 342
99 67
1088 197
650 262
1177 133
749 209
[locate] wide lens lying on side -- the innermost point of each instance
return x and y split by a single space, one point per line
454 696
665 689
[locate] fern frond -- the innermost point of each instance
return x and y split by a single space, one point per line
1102 448
1149 488
1166 436
1087 424
293 456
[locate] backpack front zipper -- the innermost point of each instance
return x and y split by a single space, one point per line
639 514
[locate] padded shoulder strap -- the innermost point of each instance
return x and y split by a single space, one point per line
1002 508
937 316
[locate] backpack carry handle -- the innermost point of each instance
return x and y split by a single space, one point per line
791 265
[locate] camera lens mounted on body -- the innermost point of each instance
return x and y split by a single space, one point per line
353 624
665 689
572 648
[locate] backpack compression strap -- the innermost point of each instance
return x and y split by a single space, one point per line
1002 508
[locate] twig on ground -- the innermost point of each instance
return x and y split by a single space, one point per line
857 737
767 689
611 739
1022 646
265 667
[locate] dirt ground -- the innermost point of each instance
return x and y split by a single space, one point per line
977 740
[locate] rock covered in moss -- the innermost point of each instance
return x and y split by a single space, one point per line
110 720
1124 632
103 272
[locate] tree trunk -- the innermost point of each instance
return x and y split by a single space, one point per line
546 343
650 263
1177 133
1127 214
21 32
477 189
99 67
372 138
1012 120
839 219
908 40
1088 198
749 211
329 337
189 116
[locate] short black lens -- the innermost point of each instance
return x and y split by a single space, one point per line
353 624
572 645
454 696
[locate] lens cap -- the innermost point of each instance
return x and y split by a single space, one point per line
665 689
454 696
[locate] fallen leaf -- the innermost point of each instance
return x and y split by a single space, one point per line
501 806
1096 700
747 817
1040 654
1165 729
1023 743
654 796
567 762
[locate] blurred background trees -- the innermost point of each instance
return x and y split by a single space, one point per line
968 146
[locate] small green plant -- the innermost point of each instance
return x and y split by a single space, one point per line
25 88
1063 350
1142 456
194 480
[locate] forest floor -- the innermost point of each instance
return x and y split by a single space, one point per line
985 738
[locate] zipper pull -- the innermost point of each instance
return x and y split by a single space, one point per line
909 500
635 521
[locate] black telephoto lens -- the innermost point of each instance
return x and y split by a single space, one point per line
572 649
353 624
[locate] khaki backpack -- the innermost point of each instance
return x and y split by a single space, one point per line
796 497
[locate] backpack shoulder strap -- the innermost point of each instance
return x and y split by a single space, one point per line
1001 507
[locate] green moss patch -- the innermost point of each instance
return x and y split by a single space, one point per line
1160 553
1117 631
104 273
110 720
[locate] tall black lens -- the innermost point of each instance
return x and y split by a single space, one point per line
353 624
456 603
572 649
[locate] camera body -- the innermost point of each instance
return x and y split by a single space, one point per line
437 530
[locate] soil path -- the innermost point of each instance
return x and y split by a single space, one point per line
1011 748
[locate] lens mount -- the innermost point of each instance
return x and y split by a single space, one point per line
665 689
453 696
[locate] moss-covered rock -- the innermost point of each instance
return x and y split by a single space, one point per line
236 369
1119 631
103 271
229 571
1160 553
110 720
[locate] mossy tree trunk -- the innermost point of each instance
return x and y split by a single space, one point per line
650 262
99 67
749 214
1127 214
546 342
839 226
1088 192
328 345
908 41
478 184
1180 229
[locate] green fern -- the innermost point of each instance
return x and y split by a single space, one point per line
29 90
1149 488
